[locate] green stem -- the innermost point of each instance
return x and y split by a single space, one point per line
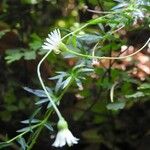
36 135
110 58
23 133
46 118
71 33
44 88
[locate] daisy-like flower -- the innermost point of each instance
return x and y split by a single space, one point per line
64 135
53 41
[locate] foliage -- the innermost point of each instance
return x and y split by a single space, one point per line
87 56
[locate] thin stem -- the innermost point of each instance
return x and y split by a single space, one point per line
71 33
118 29
44 88
111 58
112 92
100 12
46 118
39 129
23 133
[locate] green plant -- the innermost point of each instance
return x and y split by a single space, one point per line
88 49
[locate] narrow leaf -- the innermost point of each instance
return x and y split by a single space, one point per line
42 101
66 82
39 93
48 126
22 142
32 121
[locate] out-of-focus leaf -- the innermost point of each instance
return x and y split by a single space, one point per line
89 38
4 144
13 55
135 95
22 142
79 83
119 6
144 86
42 101
3 32
115 106
32 2
26 129
32 121
92 135
29 55
36 42
86 70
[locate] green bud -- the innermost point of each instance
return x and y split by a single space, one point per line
62 124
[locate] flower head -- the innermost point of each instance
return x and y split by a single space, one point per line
53 41
64 135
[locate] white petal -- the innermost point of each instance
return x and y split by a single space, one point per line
65 137
53 40
46 47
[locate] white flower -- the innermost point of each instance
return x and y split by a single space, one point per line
53 41
64 135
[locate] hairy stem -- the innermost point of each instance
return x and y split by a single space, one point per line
44 88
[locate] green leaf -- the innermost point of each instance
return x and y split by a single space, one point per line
37 92
42 101
36 42
3 32
79 83
26 129
31 2
121 5
66 82
28 121
90 38
22 142
144 86
13 55
115 106
4 144
33 115
135 95
86 70
59 84
29 55
48 126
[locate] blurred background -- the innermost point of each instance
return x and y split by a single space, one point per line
24 24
